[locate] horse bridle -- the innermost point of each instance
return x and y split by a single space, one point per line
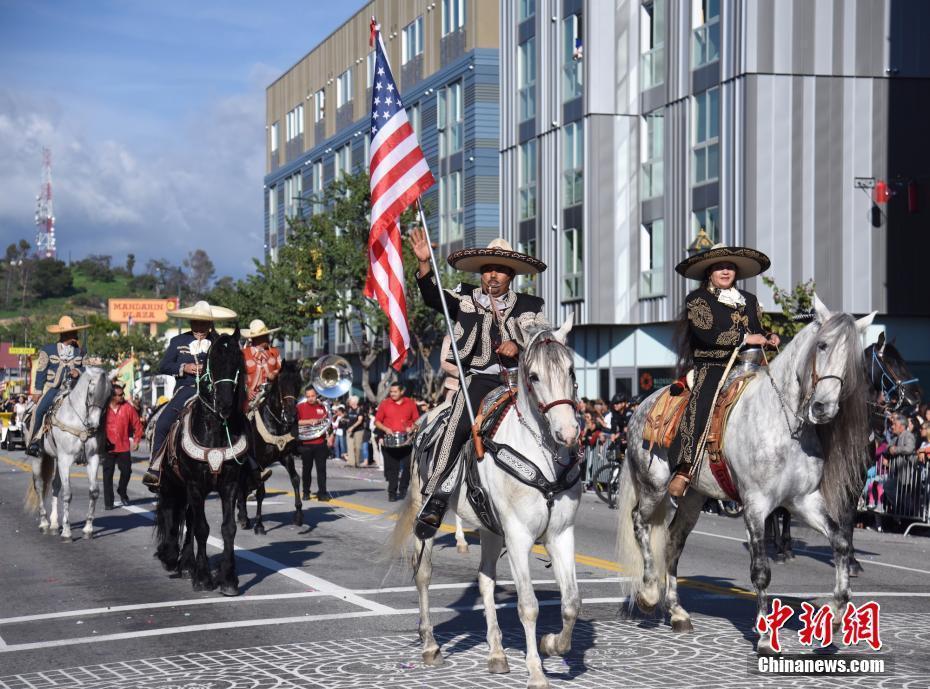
211 386
889 377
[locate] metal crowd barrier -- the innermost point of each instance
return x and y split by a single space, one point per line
901 490
596 457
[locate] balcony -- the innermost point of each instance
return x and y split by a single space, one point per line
653 67
705 44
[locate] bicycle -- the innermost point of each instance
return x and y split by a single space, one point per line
607 481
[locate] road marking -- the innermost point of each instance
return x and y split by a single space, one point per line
270 622
814 552
294 573
259 598
2 643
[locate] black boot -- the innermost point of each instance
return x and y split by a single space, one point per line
34 449
430 517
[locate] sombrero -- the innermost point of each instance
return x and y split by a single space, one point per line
748 262
65 325
257 328
202 311
498 252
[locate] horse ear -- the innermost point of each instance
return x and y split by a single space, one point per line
863 323
237 335
880 343
820 309
562 333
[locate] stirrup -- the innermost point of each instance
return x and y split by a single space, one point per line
151 479
430 517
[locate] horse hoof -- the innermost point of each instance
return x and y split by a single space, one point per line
298 519
43 530
433 658
462 548
259 530
765 648
245 525
549 645
541 683
855 569
229 590
780 558
644 605
682 626
66 538
88 535
498 666
790 555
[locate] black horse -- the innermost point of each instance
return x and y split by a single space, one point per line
893 389
217 429
277 414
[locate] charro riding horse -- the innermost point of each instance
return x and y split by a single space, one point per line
273 441
529 492
809 460
206 449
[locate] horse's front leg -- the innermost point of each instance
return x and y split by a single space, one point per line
519 545
56 494
491 545
461 545
184 518
64 470
226 578
423 561
38 485
650 532
561 548
201 579
259 497
241 505
93 492
292 474
754 516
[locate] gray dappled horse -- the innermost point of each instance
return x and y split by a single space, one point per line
76 431
544 427
797 438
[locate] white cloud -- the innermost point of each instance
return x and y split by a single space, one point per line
199 186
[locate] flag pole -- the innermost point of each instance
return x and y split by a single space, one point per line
463 386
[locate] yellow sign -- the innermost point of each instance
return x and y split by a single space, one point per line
24 351
141 310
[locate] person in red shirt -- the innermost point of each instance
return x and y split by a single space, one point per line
311 416
122 420
396 414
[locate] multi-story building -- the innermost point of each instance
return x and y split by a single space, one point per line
628 127
444 55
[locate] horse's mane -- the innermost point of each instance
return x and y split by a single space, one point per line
844 440
227 347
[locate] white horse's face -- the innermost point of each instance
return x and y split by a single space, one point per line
832 353
550 377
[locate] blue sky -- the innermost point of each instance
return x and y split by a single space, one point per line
154 112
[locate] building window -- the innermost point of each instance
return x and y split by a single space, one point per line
527 283
413 116
272 224
706 154
572 164
527 9
527 180
319 105
318 333
318 186
370 69
293 193
526 79
572 66
450 116
412 40
344 88
274 137
572 276
651 259
366 160
295 123
706 219
343 161
705 18
453 15
451 214
653 144
652 42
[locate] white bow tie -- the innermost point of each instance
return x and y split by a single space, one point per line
731 297
200 346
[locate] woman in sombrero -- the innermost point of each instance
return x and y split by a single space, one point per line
717 319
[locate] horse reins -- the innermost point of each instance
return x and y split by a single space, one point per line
211 386
889 377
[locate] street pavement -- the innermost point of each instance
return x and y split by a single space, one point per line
318 608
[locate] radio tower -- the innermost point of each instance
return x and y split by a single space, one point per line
45 216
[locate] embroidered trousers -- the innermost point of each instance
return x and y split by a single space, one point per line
166 419
697 414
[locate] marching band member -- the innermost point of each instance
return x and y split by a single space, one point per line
58 363
396 414
315 433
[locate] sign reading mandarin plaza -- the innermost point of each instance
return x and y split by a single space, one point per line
141 310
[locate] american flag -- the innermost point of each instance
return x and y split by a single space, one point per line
399 174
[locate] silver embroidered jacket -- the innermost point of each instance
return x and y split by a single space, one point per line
55 362
476 329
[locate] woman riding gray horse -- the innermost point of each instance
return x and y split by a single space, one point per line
717 319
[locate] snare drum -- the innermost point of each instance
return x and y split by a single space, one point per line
397 439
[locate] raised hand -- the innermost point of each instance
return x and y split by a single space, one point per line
419 242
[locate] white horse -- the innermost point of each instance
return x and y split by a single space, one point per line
543 427
796 438
76 432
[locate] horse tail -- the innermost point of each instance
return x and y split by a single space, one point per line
400 543
46 473
629 555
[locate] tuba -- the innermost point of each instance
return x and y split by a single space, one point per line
331 377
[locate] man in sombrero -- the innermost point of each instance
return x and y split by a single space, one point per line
490 328
717 319
184 359
262 361
58 363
